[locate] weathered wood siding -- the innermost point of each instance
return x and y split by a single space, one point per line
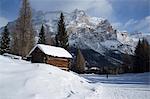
38 56
60 62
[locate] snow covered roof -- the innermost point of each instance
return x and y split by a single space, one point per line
52 51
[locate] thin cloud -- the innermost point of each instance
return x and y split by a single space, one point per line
92 7
143 25
3 21
133 25
130 22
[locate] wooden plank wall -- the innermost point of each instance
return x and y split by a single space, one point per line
60 62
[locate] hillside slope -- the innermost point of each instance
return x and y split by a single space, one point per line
23 80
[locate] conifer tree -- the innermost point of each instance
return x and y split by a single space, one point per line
62 36
5 41
127 62
23 37
42 39
137 59
142 57
80 62
146 55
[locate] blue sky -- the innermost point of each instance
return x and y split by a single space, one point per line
130 15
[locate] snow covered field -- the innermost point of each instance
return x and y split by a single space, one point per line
22 80
124 86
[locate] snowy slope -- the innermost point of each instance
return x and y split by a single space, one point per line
22 80
135 36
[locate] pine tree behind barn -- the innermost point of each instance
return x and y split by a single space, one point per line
51 55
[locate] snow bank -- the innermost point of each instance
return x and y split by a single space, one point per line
12 56
23 80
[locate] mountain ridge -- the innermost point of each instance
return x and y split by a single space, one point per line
88 33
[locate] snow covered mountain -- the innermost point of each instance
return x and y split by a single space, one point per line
93 35
87 32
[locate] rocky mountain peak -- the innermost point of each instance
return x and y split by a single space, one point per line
89 33
78 12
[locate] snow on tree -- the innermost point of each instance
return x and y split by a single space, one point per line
5 41
23 37
62 36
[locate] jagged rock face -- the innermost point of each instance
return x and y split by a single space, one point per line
96 34
93 35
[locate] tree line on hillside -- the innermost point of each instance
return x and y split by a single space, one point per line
140 61
22 41
142 57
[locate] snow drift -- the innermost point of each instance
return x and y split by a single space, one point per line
22 80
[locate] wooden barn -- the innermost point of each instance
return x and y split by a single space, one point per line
52 55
